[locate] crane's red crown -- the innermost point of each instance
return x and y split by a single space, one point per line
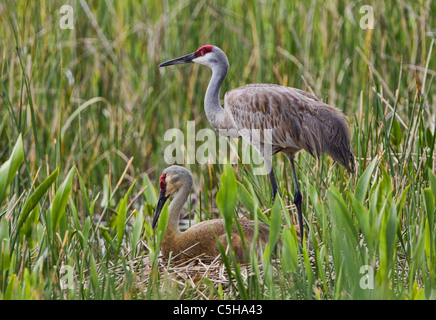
162 183
203 50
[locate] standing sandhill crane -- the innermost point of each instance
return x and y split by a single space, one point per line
298 120
202 237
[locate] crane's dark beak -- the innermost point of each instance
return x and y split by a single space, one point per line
185 59
159 207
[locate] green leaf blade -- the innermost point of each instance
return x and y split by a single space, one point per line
10 168
60 200
35 197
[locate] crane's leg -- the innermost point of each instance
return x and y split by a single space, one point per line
274 186
298 199
272 177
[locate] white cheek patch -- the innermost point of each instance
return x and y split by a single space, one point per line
202 60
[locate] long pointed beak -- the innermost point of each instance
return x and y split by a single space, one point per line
185 59
159 206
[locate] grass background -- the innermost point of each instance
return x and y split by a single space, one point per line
92 98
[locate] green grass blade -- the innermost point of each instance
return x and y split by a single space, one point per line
227 197
137 230
248 202
35 197
275 224
10 168
150 191
60 200
122 214
432 177
363 183
362 216
121 222
162 224
339 210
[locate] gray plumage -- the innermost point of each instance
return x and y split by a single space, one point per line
298 120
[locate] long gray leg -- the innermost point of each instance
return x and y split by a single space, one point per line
298 199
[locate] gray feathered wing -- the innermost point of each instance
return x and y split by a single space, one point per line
297 119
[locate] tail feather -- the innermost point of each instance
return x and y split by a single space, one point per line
337 144
328 132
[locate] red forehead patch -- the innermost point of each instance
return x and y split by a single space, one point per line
162 183
203 50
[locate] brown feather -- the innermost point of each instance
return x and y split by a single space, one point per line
202 238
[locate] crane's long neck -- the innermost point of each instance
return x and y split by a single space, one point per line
174 209
212 106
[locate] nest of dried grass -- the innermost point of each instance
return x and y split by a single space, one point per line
201 277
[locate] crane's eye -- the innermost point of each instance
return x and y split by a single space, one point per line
202 53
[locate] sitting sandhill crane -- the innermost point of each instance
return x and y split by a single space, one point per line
202 237
298 120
